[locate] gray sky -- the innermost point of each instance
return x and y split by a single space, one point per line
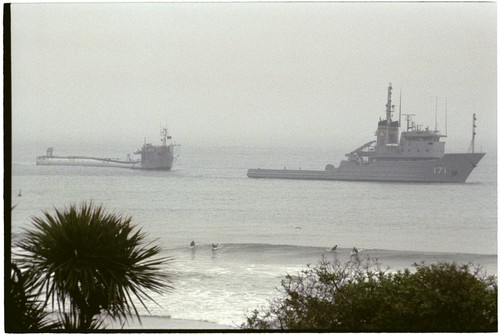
253 74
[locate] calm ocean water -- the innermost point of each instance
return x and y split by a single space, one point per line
266 228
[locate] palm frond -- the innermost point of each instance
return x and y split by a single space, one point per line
94 259
24 311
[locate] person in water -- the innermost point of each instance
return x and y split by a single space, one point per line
354 254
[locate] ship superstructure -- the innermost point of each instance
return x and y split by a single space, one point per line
418 155
157 157
413 144
152 157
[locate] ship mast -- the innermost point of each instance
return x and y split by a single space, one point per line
408 119
399 109
388 111
472 142
446 119
436 116
163 133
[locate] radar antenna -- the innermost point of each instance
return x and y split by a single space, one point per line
408 119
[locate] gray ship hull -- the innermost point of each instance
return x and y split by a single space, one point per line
451 168
86 161
157 157
153 160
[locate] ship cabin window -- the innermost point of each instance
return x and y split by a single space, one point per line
422 138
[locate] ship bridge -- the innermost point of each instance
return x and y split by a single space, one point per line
421 144
414 142
421 136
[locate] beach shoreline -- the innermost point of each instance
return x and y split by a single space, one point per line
163 323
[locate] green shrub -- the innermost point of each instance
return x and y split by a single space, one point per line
359 296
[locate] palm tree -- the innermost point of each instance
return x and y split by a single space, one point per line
89 260
24 312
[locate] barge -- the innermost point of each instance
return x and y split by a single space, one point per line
152 157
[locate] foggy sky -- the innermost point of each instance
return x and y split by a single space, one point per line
254 74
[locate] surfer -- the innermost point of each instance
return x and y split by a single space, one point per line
215 246
334 248
354 254
192 244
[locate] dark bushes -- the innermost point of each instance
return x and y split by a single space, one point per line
444 297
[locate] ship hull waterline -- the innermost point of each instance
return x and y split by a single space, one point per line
451 168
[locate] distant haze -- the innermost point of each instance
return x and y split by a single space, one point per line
252 74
